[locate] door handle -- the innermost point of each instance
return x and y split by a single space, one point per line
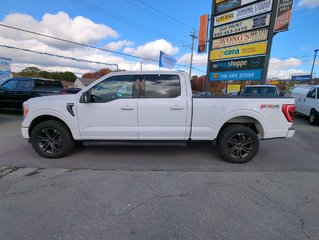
176 107
127 108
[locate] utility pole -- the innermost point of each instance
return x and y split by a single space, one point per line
193 35
313 64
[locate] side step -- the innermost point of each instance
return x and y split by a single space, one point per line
134 143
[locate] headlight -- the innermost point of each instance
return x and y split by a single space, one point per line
25 110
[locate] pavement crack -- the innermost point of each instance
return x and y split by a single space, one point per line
7 171
276 205
35 172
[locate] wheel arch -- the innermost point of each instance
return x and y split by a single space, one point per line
248 121
43 118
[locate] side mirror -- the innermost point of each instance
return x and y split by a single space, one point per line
86 97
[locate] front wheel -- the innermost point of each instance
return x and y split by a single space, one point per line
238 144
314 117
52 139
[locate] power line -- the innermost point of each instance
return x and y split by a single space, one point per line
162 15
119 18
86 45
76 43
59 56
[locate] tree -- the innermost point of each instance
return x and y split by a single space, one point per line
97 74
198 83
36 72
30 72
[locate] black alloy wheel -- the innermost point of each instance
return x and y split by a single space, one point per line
238 143
52 139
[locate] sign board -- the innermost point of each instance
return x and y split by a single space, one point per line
166 61
233 88
239 51
274 82
283 15
231 4
253 74
5 69
301 78
243 25
245 12
235 64
202 35
242 38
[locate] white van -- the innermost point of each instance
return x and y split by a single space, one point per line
307 102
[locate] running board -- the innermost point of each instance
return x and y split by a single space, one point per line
134 143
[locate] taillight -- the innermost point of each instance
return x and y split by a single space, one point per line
289 111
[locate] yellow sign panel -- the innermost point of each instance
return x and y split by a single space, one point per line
239 51
233 88
274 82
219 1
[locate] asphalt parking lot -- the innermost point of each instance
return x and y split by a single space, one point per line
159 192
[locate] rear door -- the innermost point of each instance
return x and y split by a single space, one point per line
162 107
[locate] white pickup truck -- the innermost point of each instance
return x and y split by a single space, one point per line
154 106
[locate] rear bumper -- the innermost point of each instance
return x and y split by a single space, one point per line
25 132
291 132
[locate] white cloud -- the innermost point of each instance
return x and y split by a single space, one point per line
79 29
284 68
152 49
198 59
309 3
114 46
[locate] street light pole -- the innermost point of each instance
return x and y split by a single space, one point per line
313 64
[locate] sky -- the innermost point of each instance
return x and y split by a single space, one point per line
137 27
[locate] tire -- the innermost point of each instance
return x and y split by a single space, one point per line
238 144
52 139
314 117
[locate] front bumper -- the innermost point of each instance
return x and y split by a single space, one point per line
25 132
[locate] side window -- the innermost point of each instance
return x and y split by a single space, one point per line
22 85
160 86
113 88
10 85
317 93
311 93
45 84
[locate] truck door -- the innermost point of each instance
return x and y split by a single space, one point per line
162 107
111 113
310 100
13 93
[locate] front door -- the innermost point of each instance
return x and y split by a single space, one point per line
14 92
111 113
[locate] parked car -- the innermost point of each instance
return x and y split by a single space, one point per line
71 90
14 91
307 102
154 106
260 91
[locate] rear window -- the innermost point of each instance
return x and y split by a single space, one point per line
260 91
160 86
45 84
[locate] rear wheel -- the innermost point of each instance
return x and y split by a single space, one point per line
238 144
52 139
314 118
